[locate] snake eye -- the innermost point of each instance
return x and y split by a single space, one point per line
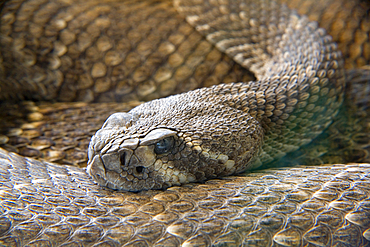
164 145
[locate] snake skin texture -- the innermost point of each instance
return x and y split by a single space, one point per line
53 205
228 128
96 51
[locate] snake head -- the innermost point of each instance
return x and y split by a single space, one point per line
134 163
172 141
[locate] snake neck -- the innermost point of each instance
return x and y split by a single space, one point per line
291 114
299 70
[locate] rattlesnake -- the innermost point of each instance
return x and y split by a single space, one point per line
202 134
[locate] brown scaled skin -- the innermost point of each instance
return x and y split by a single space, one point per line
47 204
229 128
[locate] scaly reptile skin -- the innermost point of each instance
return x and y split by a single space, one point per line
45 204
48 204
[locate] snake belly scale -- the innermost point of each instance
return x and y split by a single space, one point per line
297 91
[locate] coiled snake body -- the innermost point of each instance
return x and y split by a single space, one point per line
89 52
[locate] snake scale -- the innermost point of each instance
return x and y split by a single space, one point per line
285 82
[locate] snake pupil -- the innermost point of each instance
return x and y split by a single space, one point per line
164 145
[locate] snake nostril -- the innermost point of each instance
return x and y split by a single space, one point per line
123 159
140 169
